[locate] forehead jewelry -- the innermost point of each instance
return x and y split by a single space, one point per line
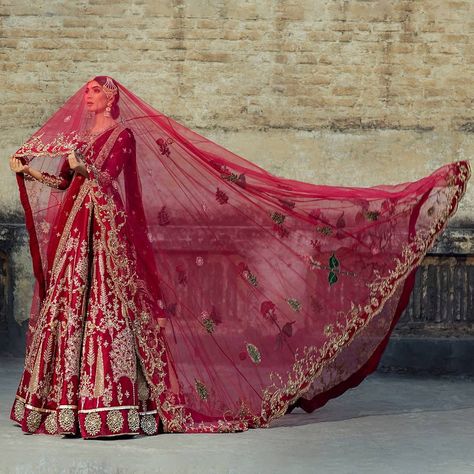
109 88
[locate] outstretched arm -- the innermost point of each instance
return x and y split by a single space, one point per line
62 181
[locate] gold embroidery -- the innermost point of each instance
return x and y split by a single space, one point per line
34 379
33 421
201 389
123 356
148 424
114 421
294 304
66 419
51 424
133 420
309 365
62 144
93 423
19 410
51 180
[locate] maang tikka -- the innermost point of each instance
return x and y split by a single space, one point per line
110 90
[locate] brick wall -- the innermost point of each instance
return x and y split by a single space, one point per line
340 92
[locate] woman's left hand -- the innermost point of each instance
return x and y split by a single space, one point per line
77 165
73 161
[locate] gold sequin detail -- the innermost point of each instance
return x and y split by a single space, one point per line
143 391
114 421
148 424
33 421
66 419
93 422
133 420
51 424
19 410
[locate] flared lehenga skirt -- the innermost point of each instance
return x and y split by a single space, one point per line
82 372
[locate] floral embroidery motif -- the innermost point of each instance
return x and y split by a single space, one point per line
238 179
123 355
221 196
309 364
33 420
254 353
328 329
285 332
247 274
93 423
148 424
201 390
66 419
133 420
61 144
267 309
51 424
114 421
163 144
278 217
19 410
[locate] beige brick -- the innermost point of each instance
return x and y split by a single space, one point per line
339 67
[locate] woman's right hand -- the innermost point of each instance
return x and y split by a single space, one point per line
17 166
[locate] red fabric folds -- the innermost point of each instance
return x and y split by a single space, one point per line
279 293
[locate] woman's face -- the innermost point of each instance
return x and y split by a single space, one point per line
95 98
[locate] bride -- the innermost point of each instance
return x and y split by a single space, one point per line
182 288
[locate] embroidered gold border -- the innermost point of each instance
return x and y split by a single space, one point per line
272 404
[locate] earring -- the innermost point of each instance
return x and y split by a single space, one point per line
107 111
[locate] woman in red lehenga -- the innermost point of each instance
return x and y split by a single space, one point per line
181 288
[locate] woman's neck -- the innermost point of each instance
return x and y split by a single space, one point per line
102 122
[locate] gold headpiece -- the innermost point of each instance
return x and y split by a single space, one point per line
109 88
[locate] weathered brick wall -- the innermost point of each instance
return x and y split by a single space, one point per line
333 91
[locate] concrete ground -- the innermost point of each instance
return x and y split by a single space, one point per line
389 424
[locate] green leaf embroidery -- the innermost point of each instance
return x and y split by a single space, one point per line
201 389
294 303
254 353
333 262
332 278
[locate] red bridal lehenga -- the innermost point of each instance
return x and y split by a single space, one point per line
278 293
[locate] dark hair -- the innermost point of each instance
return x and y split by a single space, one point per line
114 109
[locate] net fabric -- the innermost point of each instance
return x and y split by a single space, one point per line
278 292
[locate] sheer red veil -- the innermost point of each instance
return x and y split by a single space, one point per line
278 292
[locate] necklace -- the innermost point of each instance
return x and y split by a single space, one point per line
89 135
93 134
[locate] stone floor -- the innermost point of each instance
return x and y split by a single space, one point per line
389 424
